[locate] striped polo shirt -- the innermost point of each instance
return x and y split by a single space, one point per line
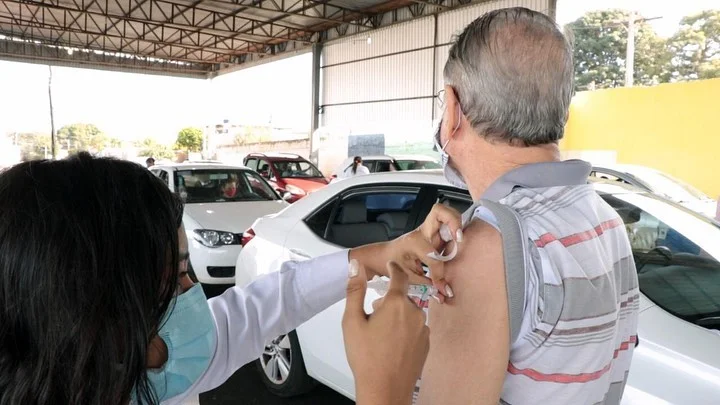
580 321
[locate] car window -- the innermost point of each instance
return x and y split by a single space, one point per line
371 165
364 217
417 165
252 163
163 175
264 169
222 185
296 169
385 202
382 166
676 253
459 201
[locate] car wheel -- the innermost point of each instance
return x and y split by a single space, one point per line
282 368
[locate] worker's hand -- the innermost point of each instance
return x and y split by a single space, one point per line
411 250
387 349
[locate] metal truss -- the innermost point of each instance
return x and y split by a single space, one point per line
187 35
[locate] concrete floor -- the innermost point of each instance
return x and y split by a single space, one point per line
246 388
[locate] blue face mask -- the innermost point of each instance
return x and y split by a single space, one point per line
451 174
188 330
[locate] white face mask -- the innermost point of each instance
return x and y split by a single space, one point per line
452 175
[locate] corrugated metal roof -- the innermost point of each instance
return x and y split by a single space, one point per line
191 37
197 35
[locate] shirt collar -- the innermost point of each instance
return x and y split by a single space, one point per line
539 175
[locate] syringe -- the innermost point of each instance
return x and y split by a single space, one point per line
420 292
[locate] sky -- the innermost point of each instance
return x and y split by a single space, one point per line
671 11
134 106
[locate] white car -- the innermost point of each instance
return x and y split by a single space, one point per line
676 251
214 220
660 183
384 163
417 162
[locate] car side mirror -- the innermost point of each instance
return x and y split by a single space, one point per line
287 196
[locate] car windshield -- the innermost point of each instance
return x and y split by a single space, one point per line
418 165
674 188
296 169
222 185
677 253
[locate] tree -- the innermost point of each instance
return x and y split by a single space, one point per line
190 139
151 148
600 50
696 47
81 137
33 146
115 143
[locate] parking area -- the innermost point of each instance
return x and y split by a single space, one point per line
285 133
245 388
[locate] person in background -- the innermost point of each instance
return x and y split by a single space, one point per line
97 307
356 168
150 162
509 80
230 187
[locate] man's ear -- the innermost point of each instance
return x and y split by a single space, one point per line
453 111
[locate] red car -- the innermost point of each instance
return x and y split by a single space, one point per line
291 175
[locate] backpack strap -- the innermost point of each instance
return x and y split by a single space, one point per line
514 255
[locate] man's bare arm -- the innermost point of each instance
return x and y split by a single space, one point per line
469 338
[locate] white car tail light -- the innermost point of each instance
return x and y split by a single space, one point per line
247 236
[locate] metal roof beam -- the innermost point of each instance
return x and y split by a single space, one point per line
301 12
61 50
91 22
301 35
229 22
95 36
39 53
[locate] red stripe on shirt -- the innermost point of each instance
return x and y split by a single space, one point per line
570 378
580 237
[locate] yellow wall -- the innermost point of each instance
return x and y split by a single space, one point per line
671 127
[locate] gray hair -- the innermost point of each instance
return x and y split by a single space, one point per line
512 71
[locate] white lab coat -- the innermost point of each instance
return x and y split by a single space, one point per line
275 304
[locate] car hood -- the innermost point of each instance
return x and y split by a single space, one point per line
309 185
235 217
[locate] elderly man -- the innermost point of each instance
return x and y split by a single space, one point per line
508 85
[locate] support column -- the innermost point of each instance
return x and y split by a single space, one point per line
315 98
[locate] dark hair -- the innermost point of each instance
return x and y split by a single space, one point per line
357 160
88 252
150 160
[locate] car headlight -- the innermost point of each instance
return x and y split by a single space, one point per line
213 239
294 190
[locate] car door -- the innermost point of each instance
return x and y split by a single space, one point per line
319 234
679 275
251 163
268 173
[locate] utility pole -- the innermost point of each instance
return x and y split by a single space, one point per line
630 57
52 118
